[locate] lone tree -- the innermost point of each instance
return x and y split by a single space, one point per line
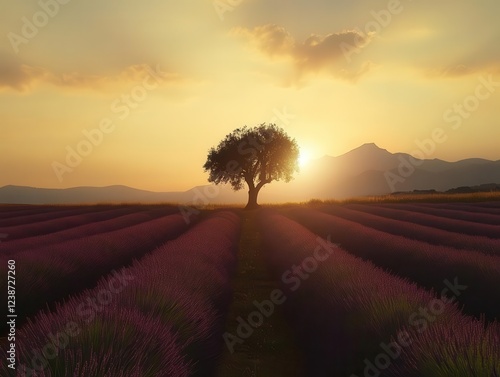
257 156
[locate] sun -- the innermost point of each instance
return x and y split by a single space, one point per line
304 158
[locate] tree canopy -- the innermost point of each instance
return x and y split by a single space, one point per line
255 156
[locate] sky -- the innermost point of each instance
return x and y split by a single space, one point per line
98 92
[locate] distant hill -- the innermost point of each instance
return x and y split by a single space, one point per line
370 170
366 170
491 187
109 194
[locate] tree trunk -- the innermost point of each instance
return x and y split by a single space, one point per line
252 198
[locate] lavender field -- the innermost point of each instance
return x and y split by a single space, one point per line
379 289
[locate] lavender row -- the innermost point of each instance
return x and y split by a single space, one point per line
488 204
77 217
50 273
423 263
123 221
165 318
352 318
8 212
456 214
468 207
42 214
15 207
416 231
451 225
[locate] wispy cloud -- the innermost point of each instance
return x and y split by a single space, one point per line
15 75
460 70
318 53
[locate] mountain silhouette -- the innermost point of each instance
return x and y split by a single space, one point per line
366 170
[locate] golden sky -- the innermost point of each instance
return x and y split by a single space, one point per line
100 92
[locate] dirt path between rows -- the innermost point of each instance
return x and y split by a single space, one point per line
271 349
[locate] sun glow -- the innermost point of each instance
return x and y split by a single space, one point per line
304 158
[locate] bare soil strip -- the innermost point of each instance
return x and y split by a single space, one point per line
271 349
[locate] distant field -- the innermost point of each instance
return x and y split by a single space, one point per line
488 197
385 286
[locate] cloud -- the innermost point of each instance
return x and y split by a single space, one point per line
22 77
18 76
452 71
318 51
270 39
461 70
332 53
131 74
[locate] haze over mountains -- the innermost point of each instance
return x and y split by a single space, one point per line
367 170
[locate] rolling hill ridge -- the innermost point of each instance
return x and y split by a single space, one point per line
366 170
